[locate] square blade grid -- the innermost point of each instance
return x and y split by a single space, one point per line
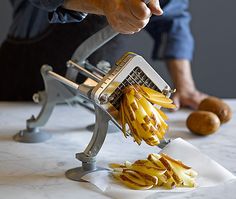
137 76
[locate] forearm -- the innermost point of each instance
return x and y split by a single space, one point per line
97 6
88 6
181 74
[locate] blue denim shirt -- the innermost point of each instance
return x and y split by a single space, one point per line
171 32
32 17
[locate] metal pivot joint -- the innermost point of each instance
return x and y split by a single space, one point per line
88 157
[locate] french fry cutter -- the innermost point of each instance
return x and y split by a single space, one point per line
102 89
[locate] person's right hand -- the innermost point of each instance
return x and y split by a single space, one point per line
130 16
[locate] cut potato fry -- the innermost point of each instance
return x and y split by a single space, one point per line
158 170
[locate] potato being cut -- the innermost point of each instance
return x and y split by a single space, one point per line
145 121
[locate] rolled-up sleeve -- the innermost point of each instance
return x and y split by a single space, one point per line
61 15
58 14
179 43
171 33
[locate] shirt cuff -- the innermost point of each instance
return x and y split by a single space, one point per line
62 15
51 5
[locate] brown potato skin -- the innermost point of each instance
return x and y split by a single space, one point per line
217 106
203 122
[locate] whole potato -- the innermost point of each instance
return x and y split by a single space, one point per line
217 106
203 122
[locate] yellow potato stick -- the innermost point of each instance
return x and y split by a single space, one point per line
158 170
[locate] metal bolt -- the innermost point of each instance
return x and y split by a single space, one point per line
104 65
166 91
36 98
103 99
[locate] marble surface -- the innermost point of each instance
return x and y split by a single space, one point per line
37 170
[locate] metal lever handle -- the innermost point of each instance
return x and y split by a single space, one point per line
90 45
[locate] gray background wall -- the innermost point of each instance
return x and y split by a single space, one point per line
213 25
5 18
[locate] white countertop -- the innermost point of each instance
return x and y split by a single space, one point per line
37 170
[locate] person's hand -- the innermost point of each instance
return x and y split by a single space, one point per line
186 95
189 98
130 16
125 16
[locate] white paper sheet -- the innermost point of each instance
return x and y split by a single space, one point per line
210 173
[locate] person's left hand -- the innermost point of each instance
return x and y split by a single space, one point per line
188 98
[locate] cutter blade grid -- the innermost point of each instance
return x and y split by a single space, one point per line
136 77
